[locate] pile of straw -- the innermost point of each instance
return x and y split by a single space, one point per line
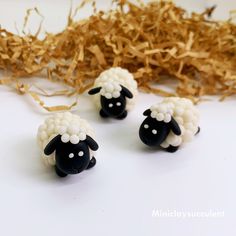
157 42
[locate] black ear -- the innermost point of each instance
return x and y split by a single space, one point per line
94 90
51 146
175 127
147 112
126 92
91 143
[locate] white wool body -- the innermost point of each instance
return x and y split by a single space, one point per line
185 114
71 128
111 80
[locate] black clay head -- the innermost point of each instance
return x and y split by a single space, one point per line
71 158
113 107
153 132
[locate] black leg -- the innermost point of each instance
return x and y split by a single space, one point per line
59 172
122 116
198 131
172 149
103 114
92 163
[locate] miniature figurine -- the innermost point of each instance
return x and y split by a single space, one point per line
66 142
115 92
170 123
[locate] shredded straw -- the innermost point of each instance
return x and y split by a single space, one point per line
157 42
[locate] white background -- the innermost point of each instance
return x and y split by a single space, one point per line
116 197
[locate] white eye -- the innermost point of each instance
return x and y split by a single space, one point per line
118 104
71 155
81 153
110 105
154 131
146 126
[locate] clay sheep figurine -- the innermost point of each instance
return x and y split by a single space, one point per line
170 123
66 142
115 92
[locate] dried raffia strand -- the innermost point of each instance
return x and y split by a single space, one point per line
151 41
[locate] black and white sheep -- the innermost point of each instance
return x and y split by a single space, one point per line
66 142
170 123
115 92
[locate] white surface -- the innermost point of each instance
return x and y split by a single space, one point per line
116 197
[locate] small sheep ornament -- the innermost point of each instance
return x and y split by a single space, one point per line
115 92
66 142
170 123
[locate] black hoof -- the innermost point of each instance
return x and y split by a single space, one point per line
103 114
122 116
92 163
59 172
172 149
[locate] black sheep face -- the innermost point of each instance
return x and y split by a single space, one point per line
71 158
113 107
153 132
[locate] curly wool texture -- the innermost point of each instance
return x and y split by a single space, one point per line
71 128
111 80
185 114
